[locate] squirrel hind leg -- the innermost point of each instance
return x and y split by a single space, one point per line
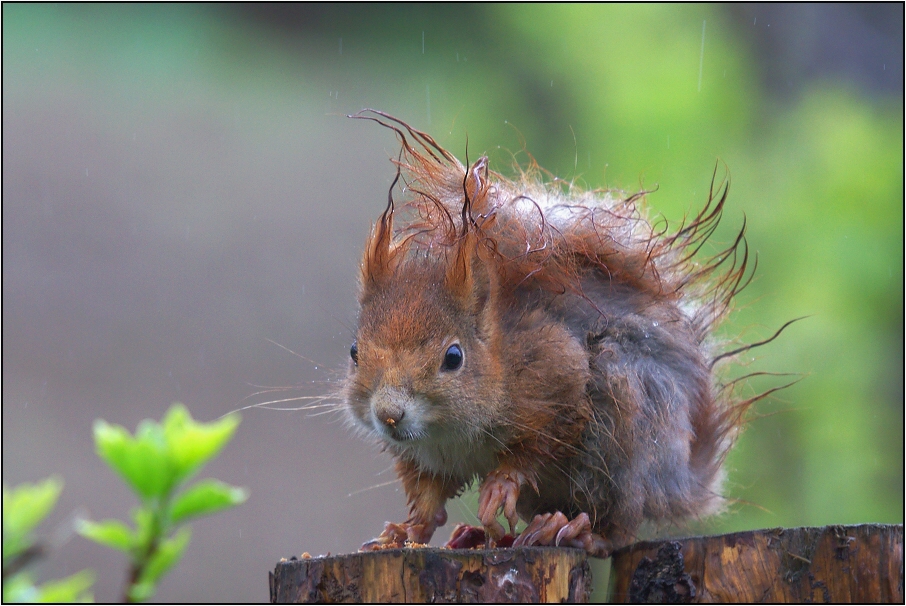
554 529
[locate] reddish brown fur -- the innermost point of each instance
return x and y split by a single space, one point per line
563 395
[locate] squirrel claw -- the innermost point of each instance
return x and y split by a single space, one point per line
499 492
573 529
542 530
394 535
397 535
554 529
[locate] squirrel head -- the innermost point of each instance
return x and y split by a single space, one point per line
425 367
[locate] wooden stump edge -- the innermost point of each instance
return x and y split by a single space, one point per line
861 563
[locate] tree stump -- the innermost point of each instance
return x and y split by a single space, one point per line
830 564
420 575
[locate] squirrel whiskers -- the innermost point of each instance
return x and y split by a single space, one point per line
547 341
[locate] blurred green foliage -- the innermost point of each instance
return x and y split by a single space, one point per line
156 462
24 507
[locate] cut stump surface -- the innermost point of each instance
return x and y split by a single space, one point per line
419 575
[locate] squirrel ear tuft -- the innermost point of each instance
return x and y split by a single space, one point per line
475 193
477 178
380 256
459 270
467 276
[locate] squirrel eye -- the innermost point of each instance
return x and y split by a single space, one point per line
354 352
453 358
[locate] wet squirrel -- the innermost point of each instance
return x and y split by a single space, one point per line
548 342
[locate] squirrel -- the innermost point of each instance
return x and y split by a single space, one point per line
551 343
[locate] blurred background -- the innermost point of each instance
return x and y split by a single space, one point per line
184 201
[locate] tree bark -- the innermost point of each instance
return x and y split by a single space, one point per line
829 564
520 575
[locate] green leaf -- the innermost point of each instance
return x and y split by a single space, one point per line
20 588
27 504
150 431
141 461
23 509
192 444
13 545
167 555
206 497
112 533
73 588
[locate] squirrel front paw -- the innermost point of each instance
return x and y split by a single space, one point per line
499 492
398 535
415 530
394 535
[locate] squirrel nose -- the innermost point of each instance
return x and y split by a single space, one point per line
388 407
391 419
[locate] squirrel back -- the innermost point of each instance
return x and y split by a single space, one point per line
547 331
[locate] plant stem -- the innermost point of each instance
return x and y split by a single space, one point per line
145 554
